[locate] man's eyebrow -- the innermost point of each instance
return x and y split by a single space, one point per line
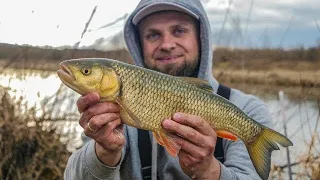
150 30
183 24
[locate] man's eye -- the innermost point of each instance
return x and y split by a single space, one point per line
179 32
152 36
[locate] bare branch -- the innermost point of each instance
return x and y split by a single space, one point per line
315 21
89 21
248 17
297 163
285 32
111 23
86 27
224 20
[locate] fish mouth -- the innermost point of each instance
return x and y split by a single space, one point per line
68 78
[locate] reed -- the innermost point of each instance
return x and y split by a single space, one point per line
28 150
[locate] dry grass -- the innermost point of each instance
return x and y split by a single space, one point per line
296 84
308 167
274 77
27 150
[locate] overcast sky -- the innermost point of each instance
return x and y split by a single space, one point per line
235 23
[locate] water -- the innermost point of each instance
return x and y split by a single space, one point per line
39 88
301 121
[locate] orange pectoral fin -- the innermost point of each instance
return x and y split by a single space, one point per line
167 142
137 122
226 135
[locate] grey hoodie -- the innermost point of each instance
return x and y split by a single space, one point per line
84 164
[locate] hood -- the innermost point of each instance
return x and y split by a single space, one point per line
206 52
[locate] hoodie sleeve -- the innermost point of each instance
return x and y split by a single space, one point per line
237 163
84 164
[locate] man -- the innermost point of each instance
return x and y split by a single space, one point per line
172 37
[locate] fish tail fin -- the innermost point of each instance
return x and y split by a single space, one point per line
261 147
167 142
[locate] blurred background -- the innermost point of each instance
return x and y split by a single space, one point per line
270 49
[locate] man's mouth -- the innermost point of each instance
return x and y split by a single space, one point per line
168 58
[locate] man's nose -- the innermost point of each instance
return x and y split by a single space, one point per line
168 43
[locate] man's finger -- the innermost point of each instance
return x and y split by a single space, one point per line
184 131
193 121
99 121
111 136
97 109
186 161
85 101
196 151
96 122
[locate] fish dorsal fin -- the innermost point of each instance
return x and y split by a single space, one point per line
200 83
129 112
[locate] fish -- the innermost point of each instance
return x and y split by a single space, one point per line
147 97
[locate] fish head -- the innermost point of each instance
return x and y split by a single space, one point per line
87 75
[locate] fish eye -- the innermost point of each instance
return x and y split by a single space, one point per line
86 71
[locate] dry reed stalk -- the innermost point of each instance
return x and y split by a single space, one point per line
28 152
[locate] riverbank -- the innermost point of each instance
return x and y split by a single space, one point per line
255 71
297 81
296 84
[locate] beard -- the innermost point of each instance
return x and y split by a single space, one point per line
186 69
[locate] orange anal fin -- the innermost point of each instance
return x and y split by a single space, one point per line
167 142
158 138
226 135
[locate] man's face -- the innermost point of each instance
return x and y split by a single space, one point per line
170 43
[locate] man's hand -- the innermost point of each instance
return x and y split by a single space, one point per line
101 122
197 140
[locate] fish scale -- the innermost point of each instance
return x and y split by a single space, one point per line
148 97
138 84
